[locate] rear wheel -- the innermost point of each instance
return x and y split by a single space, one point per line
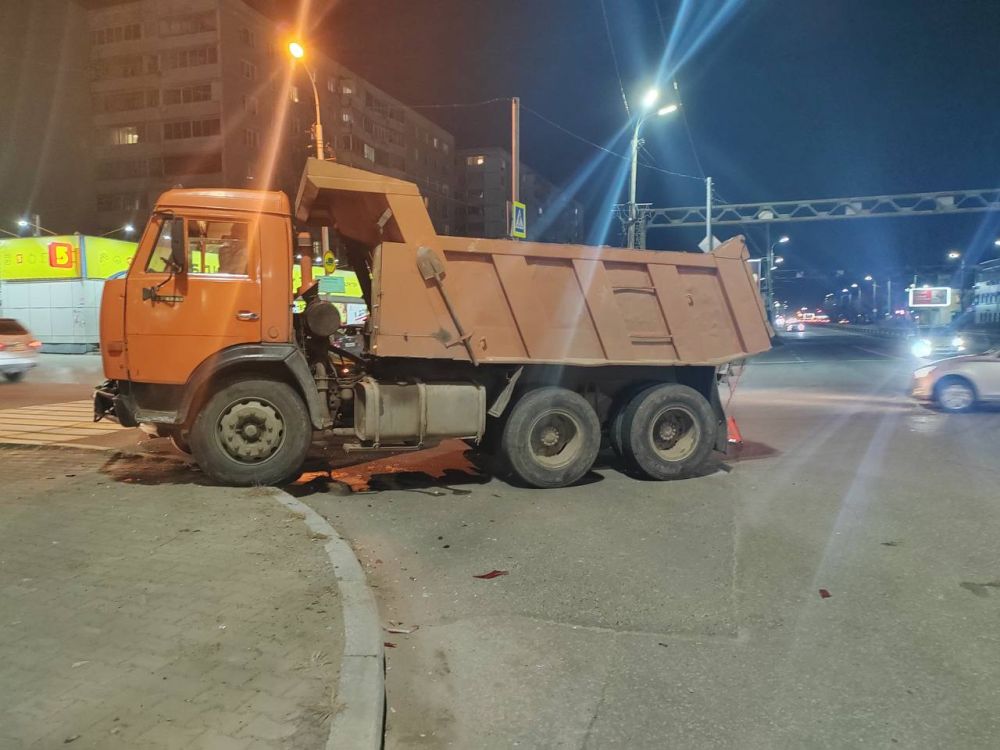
667 430
551 437
13 377
252 432
955 394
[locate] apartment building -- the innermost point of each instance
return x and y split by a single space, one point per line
203 93
367 128
484 186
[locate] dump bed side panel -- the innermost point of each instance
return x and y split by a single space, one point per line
530 302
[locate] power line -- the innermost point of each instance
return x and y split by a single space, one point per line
599 147
614 57
460 106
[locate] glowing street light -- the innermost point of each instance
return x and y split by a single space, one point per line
24 223
954 255
648 101
997 242
296 50
778 260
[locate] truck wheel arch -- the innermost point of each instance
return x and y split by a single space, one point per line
277 361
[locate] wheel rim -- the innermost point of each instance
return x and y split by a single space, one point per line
674 433
956 396
251 430
555 439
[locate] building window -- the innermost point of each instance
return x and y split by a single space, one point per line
199 93
194 23
127 33
126 135
125 101
249 70
437 143
173 131
444 146
192 164
293 94
189 58
248 37
123 169
475 161
369 153
331 85
250 105
251 138
347 117
121 201
124 66
347 87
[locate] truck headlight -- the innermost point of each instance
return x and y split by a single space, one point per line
958 343
921 348
923 372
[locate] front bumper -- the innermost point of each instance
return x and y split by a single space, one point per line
110 404
922 389
17 364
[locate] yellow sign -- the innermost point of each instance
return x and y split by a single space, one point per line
46 258
329 262
519 220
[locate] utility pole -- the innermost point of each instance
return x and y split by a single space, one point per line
515 156
875 296
888 298
708 214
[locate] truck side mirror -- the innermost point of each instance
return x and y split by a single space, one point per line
178 257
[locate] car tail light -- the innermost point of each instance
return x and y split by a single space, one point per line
35 344
2 346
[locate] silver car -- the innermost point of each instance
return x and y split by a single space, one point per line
959 383
18 349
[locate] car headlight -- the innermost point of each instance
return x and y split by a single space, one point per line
958 342
923 372
921 348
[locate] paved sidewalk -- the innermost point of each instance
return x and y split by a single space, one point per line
139 609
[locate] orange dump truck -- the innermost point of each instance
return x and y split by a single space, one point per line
536 352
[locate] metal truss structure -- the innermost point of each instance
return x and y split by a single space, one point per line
875 206
912 204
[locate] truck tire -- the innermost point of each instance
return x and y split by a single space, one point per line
666 431
551 438
252 432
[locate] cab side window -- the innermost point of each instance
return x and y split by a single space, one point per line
217 247
159 259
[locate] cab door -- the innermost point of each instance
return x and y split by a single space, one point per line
177 318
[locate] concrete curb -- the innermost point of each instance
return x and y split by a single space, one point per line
359 706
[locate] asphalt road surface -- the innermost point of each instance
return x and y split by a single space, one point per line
834 584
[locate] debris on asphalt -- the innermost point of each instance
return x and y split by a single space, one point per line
402 631
79 664
824 594
890 544
74 738
492 574
389 644
665 645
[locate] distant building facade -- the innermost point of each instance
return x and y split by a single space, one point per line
203 93
484 186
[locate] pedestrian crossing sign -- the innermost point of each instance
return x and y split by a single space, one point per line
519 221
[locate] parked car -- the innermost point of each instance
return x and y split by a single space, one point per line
18 349
959 383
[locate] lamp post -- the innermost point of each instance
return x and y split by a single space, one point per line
958 255
298 53
125 229
783 240
648 101
36 227
874 284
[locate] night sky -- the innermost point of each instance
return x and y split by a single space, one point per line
784 99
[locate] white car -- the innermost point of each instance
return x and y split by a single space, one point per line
18 349
959 383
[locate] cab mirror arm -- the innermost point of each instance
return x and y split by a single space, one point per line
177 254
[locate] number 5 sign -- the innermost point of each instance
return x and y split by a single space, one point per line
61 255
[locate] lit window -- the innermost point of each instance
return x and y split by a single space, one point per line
346 88
369 152
125 135
346 117
331 85
475 161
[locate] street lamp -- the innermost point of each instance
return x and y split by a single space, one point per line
125 229
24 223
956 255
771 266
874 284
298 53
648 101
996 242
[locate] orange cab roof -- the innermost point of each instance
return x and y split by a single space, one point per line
252 201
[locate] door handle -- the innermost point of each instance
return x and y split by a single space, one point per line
247 315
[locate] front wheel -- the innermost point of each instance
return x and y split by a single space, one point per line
14 376
667 430
551 438
955 394
252 432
